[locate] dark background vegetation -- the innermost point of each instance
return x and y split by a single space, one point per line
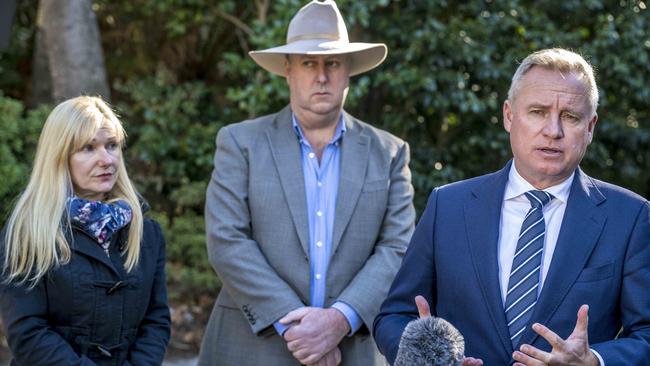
178 70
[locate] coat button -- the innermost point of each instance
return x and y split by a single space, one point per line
104 351
116 286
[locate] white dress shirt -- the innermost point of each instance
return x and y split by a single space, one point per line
514 209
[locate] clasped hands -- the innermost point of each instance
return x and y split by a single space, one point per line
314 335
573 351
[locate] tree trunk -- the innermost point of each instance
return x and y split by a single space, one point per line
73 49
7 12
41 78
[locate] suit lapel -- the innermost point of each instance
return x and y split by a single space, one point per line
581 228
482 217
285 149
354 161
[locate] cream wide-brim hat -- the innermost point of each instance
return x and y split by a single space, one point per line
318 29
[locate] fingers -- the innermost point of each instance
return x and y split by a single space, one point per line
293 345
531 357
313 358
331 358
553 339
583 321
337 356
294 315
423 306
471 361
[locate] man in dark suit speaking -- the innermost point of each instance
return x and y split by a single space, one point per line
538 263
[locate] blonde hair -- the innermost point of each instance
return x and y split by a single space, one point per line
35 240
562 60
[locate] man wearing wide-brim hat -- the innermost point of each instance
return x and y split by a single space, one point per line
308 212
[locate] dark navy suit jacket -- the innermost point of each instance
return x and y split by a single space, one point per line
602 258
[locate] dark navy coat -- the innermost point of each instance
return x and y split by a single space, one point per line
90 311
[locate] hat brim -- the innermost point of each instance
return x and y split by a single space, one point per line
364 56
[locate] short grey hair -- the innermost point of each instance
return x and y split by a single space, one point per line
562 60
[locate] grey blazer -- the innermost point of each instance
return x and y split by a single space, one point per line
257 236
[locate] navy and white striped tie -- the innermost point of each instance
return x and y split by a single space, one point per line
526 267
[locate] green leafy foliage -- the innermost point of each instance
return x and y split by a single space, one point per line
172 130
188 270
18 138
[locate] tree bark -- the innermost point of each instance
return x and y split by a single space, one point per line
41 78
73 49
7 12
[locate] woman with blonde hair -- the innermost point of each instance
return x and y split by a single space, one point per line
83 279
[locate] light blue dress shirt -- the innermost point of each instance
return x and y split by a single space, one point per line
321 188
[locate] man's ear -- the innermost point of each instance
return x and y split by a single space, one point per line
287 67
507 115
591 128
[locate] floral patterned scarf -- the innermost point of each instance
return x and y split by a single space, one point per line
98 219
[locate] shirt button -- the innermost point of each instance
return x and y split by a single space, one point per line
319 213
320 184
311 155
318 276
319 244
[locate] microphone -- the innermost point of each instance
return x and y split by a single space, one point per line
430 341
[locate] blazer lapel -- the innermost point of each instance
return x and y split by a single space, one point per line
581 227
482 217
288 162
354 161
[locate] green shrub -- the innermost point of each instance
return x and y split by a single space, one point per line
19 131
172 129
189 273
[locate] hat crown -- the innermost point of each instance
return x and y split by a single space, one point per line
318 20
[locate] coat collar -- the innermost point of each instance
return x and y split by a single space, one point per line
285 149
355 148
82 243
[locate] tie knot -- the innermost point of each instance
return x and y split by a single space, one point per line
538 199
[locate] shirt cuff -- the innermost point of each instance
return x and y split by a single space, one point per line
351 315
600 359
280 328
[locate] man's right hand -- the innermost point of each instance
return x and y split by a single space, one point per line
424 311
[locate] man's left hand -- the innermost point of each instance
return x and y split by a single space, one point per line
332 358
314 333
572 351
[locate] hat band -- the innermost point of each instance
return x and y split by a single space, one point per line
303 37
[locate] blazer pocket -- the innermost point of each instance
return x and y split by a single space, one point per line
375 185
591 274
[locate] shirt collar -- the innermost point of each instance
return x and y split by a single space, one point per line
517 186
338 134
